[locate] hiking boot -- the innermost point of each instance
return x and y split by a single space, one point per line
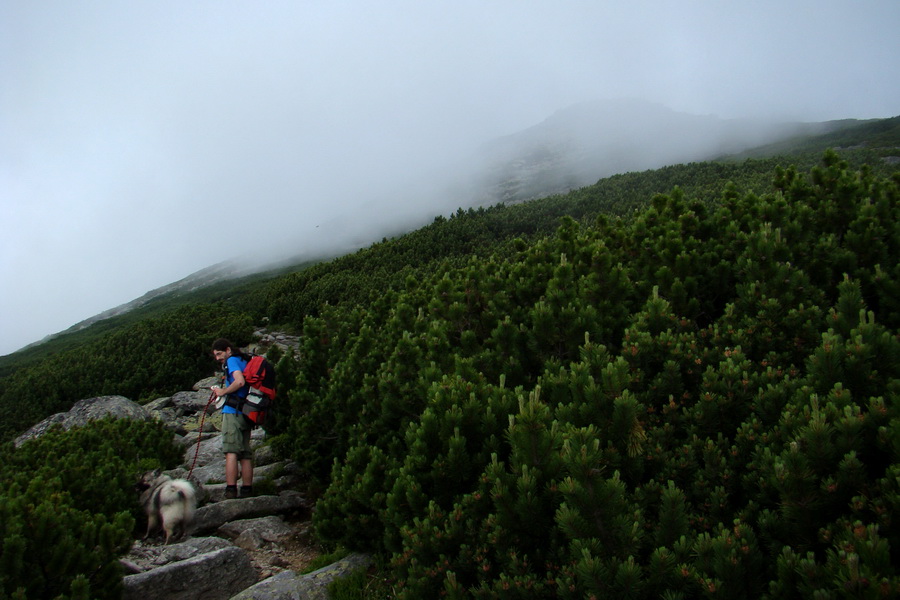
230 492
246 491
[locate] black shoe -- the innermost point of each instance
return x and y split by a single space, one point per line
246 491
230 492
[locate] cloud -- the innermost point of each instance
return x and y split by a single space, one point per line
142 141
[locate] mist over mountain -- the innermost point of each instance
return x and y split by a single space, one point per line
580 144
574 147
223 271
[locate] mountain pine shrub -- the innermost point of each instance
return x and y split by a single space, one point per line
700 400
68 508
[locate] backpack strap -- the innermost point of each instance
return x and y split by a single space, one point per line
235 402
232 400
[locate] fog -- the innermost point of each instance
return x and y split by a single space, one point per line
143 141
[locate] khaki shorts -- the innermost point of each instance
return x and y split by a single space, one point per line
236 436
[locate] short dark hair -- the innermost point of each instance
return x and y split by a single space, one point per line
223 344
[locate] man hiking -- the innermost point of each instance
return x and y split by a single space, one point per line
235 427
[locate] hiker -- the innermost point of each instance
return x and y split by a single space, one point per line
235 427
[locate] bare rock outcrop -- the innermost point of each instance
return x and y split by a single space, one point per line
83 411
211 517
288 585
216 575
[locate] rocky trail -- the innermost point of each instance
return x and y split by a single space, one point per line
243 548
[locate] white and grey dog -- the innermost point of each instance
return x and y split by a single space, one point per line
169 503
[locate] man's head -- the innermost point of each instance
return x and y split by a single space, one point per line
222 349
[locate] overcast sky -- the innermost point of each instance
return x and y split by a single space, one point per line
143 141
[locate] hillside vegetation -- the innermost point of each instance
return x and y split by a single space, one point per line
678 383
694 401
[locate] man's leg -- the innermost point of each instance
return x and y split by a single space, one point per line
231 468
246 472
231 475
246 462
232 446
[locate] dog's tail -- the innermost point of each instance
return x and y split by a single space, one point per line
178 502
189 502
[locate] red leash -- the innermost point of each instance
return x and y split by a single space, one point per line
212 396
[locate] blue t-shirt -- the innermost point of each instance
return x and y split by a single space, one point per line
234 363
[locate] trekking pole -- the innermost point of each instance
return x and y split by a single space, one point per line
212 396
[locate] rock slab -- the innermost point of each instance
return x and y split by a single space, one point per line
287 585
216 575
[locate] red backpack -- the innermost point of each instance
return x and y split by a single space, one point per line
261 377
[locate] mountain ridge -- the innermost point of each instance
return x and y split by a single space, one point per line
591 140
204 277
559 154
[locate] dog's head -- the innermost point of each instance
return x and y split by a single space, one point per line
147 480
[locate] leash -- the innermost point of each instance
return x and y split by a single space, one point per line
212 396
